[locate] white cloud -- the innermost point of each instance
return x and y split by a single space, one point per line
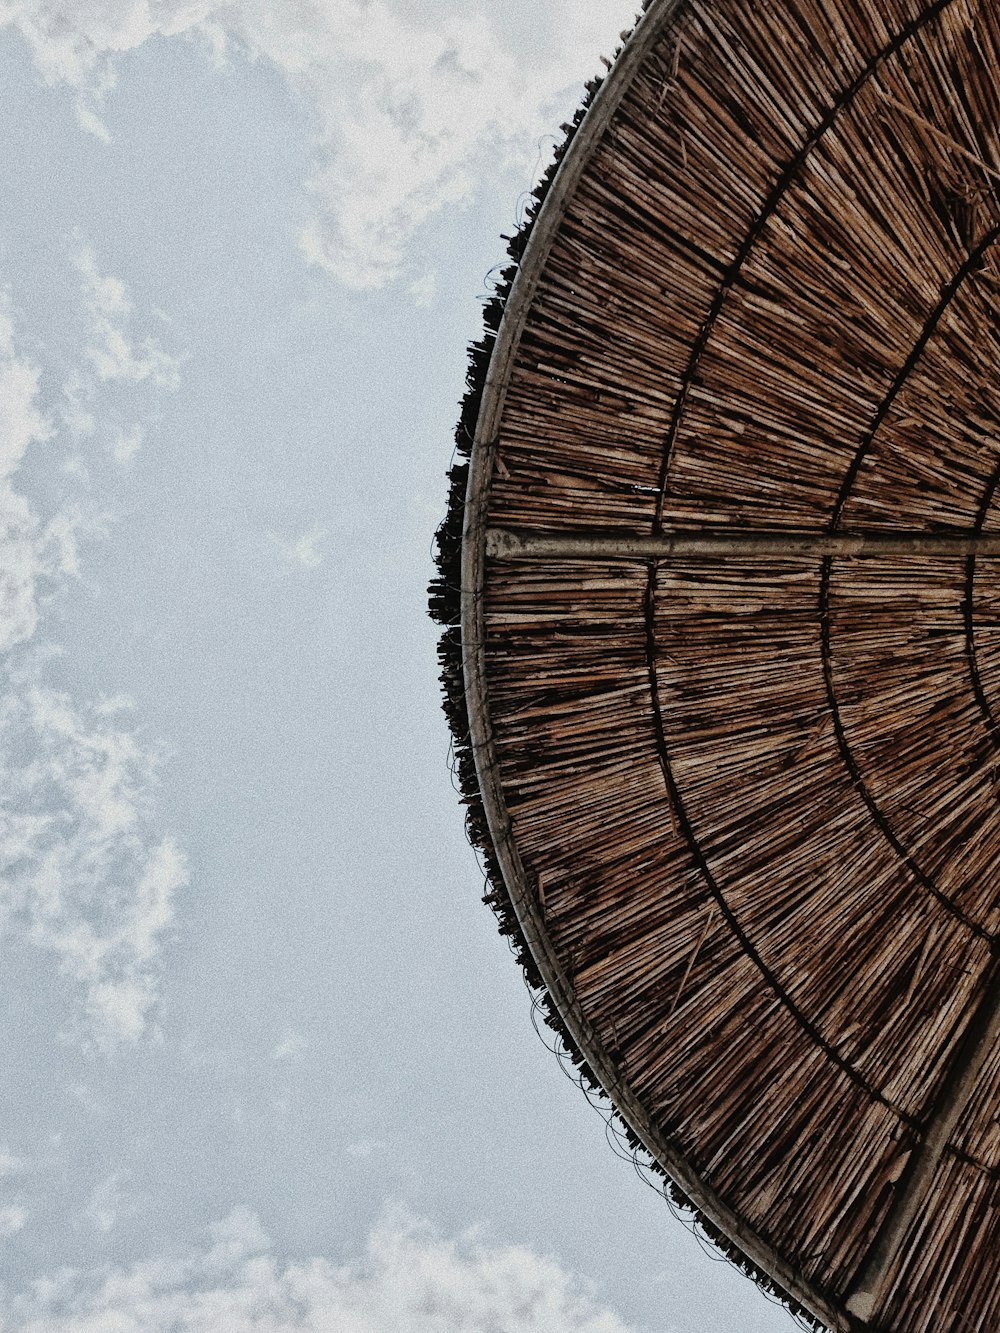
36 555
113 351
302 550
11 1165
423 290
31 556
365 1149
104 1205
22 564
412 103
83 875
291 1045
75 410
119 359
21 420
12 1220
105 293
13 1214
88 119
126 443
409 1281
115 703
25 553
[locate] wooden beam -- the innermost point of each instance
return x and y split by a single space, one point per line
721 543
869 1286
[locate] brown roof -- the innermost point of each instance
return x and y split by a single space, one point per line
724 646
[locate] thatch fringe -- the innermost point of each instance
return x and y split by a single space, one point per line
445 608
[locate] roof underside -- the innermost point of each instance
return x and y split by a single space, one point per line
745 803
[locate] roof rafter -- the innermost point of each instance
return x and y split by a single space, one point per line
584 544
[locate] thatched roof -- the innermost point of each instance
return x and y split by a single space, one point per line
723 656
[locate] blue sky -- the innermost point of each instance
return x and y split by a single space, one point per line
268 1064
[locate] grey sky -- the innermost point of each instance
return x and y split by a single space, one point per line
268 1064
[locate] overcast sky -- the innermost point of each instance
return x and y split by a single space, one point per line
268 1065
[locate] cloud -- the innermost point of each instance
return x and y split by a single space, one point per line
112 351
104 1205
83 874
126 443
23 564
409 1280
21 420
31 556
291 1045
28 553
365 1149
12 1220
88 119
11 1165
423 290
412 104
13 1213
36 555
302 550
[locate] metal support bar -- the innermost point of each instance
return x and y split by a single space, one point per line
720 543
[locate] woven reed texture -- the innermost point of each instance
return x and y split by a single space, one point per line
756 799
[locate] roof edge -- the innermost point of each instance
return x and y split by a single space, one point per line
456 602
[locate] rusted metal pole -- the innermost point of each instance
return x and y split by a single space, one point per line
511 544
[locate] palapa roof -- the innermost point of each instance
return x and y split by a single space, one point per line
723 656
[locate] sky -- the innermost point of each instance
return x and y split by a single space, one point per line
268 1064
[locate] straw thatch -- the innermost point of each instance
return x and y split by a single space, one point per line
722 655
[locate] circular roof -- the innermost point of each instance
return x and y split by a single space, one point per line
724 656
